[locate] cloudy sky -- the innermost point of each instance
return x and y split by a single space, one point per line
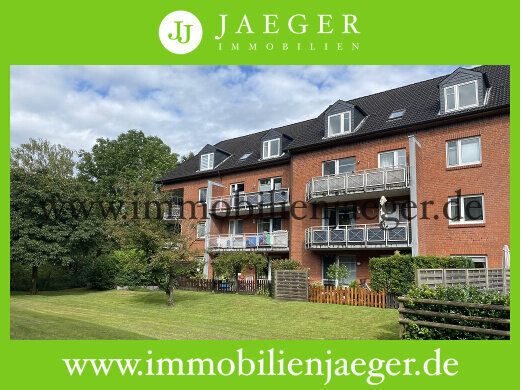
186 106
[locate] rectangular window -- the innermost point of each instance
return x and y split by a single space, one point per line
201 229
480 261
457 97
339 216
273 183
269 225
203 193
236 226
338 124
466 209
271 148
392 159
465 151
206 161
336 167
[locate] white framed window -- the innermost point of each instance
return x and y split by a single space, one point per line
392 158
236 226
480 261
335 167
206 161
269 225
466 209
201 229
268 184
338 124
464 151
236 189
457 97
271 148
203 193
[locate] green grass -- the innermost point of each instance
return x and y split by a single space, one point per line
86 314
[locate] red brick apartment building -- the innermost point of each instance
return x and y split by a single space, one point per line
342 187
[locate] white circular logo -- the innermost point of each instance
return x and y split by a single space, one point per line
180 32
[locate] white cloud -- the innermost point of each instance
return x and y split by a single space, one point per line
187 106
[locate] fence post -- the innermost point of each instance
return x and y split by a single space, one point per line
401 317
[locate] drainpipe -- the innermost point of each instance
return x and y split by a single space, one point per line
412 143
209 195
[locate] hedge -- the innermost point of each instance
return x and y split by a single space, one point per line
461 294
396 273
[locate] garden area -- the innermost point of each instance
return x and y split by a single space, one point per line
116 314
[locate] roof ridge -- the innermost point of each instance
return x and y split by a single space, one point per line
263 131
409 85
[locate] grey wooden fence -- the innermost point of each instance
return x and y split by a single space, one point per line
491 278
291 285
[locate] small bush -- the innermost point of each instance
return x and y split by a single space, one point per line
103 272
286 264
354 284
461 294
131 269
396 273
317 285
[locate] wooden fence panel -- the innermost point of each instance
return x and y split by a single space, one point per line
250 287
291 285
347 296
491 278
434 315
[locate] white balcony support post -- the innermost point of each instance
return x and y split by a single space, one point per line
207 232
412 144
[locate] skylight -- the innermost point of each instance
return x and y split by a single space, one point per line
245 156
396 114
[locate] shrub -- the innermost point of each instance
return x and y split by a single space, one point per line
338 272
396 273
354 284
103 272
132 269
317 285
286 264
461 294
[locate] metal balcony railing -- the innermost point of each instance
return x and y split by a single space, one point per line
274 241
358 236
174 213
250 201
369 180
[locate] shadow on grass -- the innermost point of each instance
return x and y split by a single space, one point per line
27 323
73 291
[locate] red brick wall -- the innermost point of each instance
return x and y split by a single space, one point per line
435 183
308 165
491 178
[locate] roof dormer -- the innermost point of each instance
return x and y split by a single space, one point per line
273 143
342 118
210 157
461 90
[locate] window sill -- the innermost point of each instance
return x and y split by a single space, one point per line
456 168
466 225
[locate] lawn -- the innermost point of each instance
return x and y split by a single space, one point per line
87 314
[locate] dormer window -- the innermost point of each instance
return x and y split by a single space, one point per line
460 96
206 161
339 124
271 148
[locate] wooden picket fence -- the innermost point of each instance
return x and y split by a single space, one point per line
347 296
223 286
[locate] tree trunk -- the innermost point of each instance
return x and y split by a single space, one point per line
237 283
34 280
170 294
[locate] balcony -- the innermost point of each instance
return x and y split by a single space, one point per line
394 181
173 214
277 241
174 211
251 203
358 237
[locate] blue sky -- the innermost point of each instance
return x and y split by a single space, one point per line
186 106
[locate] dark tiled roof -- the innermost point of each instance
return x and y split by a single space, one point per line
420 100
